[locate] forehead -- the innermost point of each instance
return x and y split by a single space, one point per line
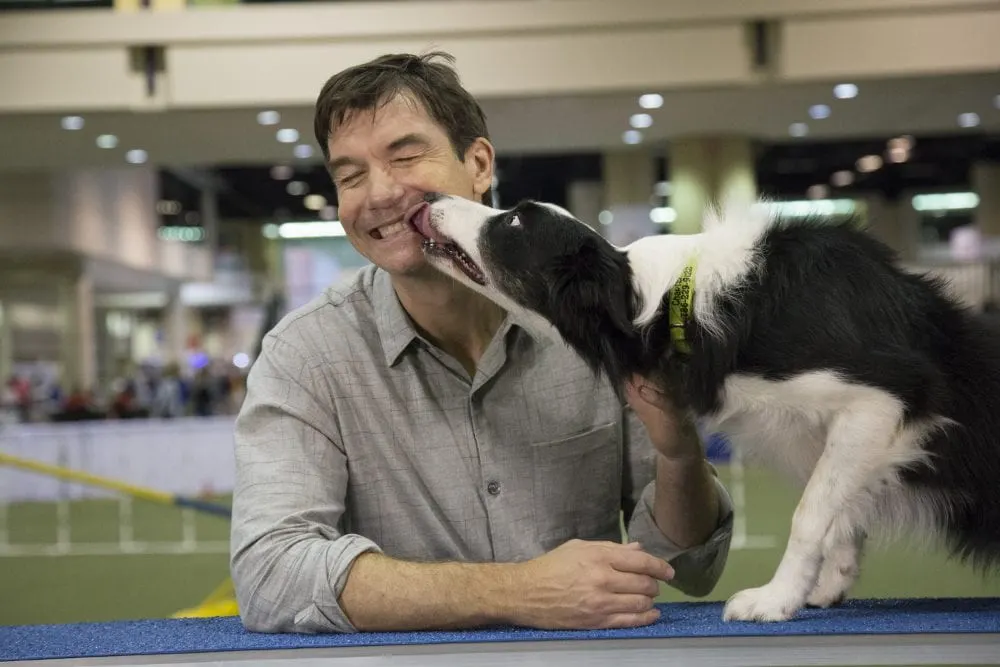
382 124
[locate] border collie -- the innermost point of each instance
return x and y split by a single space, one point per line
802 341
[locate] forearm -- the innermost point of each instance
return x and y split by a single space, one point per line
383 593
686 502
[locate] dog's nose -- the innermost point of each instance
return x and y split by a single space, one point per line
432 197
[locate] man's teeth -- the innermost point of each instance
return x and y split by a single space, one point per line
392 230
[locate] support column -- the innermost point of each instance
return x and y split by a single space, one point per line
895 223
629 177
6 344
79 344
175 328
705 171
985 178
585 200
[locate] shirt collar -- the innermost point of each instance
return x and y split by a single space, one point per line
394 326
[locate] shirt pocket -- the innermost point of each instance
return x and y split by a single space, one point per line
577 486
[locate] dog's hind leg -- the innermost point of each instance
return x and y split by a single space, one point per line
859 437
843 547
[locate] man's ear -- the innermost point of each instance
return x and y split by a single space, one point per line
593 283
480 159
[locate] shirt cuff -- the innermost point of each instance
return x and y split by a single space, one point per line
325 613
697 569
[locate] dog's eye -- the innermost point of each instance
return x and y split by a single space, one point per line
515 221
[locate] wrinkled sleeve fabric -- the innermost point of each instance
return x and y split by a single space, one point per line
289 561
697 569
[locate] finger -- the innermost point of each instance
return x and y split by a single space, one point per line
632 620
636 584
640 562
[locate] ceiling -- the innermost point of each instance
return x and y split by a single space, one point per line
540 139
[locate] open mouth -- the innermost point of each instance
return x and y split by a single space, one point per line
435 243
445 248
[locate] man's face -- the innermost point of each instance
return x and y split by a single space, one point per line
382 162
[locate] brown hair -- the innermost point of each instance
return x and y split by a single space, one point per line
433 84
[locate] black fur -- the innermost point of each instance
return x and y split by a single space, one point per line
824 297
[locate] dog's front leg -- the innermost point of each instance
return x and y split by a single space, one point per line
855 445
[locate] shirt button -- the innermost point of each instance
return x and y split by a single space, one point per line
493 488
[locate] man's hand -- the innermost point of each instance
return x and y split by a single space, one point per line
671 433
589 585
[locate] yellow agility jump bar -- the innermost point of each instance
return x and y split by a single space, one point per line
140 492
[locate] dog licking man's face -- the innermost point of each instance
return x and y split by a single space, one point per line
535 260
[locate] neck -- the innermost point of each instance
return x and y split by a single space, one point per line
451 316
657 263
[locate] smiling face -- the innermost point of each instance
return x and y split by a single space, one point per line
382 162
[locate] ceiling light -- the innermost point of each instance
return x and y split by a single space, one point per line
282 172
304 230
632 136
605 217
845 91
303 151
168 207
268 117
640 120
328 213
287 135
968 119
314 202
296 188
663 215
818 191
946 201
819 111
905 141
107 141
136 156
72 123
869 163
898 154
842 178
798 129
651 101
662 188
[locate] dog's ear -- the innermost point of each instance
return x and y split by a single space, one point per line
593 283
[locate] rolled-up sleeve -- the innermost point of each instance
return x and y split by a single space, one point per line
289 561
697 569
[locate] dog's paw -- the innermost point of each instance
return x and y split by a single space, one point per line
830 590
767 603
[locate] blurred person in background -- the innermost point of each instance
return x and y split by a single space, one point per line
408 457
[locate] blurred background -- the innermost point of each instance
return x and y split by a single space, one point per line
163 203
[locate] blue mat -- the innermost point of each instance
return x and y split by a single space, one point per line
687 619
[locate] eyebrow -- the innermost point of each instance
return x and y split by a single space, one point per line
411 139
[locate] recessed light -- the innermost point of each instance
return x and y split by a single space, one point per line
268 117
328 213
898 154
818 191
651 101
819 111
296 188
282 172
798 129
632 136
72 123
845 91
904 142
969 119
168 207
136 156
303 151
107 141
640 120
869 163
287 135
314 202
842 178
605 217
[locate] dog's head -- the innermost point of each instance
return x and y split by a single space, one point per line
537 259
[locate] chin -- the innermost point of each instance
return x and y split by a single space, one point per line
803 342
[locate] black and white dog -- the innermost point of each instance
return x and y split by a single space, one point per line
803 342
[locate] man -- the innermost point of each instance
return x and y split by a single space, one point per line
408 457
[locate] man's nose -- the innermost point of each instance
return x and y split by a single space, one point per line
385 190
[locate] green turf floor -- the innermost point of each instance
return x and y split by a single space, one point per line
59 589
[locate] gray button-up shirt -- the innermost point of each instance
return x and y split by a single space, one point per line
358 435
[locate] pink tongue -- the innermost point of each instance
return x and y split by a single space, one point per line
422 221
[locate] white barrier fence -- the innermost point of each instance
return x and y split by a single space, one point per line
190 457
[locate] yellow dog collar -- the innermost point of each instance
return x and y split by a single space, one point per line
681 307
